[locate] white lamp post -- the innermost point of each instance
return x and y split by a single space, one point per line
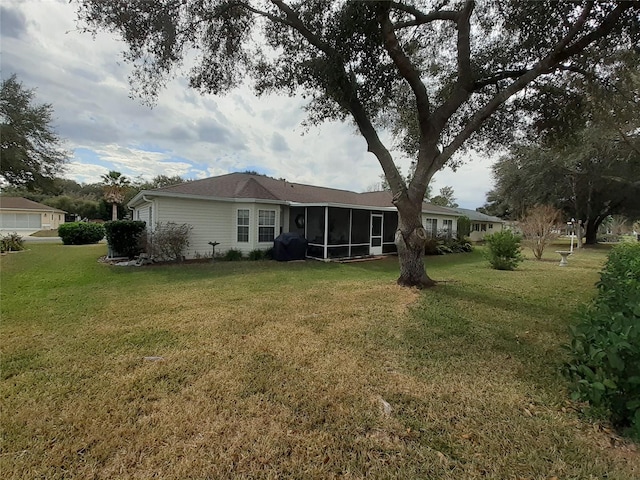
571 234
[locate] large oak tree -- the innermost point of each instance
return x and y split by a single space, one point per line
436 71
30 150
583 154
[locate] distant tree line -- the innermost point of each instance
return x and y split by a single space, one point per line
88 200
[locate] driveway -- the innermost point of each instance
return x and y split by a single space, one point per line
28 239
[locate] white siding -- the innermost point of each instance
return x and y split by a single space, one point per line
211 222
142 214
253 243
440 221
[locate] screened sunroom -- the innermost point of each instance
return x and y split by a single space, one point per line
336 232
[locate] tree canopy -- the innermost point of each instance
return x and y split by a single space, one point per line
30 149
583 156
445 198
434 71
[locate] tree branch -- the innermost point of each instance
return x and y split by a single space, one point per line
351 102
273 18
496 77
545 65
296 23
421 18
605 27
464 84
412 76
627 140
575 29
465 79
404 65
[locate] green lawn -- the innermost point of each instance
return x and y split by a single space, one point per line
303 370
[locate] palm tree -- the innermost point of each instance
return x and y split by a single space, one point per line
114 185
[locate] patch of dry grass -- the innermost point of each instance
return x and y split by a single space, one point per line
280 371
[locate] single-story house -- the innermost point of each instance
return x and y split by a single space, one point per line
481 224
23 216
247 211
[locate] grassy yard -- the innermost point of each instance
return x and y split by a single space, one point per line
303 370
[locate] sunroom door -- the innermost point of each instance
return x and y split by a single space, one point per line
375 245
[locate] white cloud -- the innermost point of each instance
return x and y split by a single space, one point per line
85 172
186 133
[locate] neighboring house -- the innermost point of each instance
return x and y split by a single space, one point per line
25 217
481 224
247 211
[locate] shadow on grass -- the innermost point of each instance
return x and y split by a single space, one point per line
459 324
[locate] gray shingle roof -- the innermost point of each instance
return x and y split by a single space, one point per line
251 186
20 203
477 216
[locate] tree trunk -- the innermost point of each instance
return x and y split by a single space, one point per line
410 240
579 234
591 233
114 211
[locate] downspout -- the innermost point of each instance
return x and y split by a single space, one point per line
144 199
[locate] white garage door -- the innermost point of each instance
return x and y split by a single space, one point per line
20 220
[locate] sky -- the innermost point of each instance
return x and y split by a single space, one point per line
85 80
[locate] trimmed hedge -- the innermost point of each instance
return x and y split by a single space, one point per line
80 233
124 236
605 344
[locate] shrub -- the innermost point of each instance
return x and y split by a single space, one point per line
458 245
232 255
443 244
11 242
464 227
605 345
124 236
539 227
80 233
431 247
256 254
168 241
503 250
608 238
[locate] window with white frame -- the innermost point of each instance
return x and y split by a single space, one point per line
266 225
447 225
431 226
243 225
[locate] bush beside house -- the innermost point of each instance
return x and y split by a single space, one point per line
125 237
167 241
